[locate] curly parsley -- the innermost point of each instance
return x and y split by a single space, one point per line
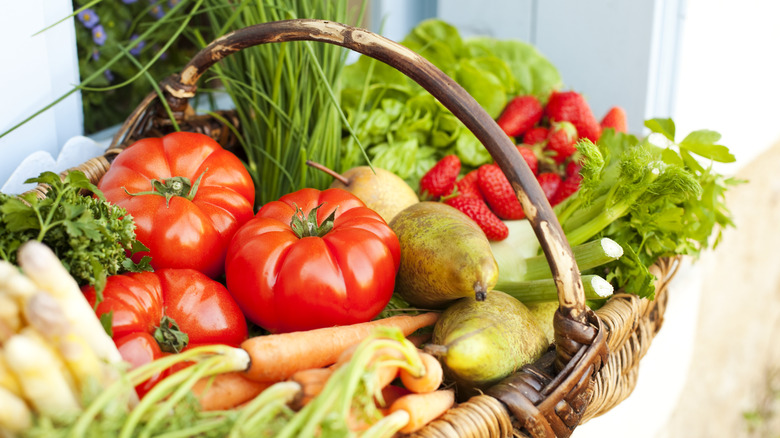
89 235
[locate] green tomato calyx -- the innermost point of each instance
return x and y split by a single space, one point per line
304 226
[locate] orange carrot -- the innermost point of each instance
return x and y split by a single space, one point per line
423 408
419 339
312 381
226 391
276 357
430 381
390 393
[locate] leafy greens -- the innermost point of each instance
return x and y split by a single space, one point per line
652 196
89 235
404 129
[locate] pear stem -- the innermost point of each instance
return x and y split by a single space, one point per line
329 171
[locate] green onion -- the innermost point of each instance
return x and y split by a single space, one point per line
285 95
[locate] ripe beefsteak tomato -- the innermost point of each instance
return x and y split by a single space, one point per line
312 259
187 195
155 313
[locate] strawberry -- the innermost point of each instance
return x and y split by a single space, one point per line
570 106
562 141
440 179
565 189
520 114
535 135
468 186
550 181
530 157
573 168
480 213
615 119
498 193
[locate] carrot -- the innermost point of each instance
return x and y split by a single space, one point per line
423 408
390 393
429 381
312 381
226 391
419 339
276 357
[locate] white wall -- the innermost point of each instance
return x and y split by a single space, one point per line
35 71
729 73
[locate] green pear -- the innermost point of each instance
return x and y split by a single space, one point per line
543 313
480 343
444 256
381 190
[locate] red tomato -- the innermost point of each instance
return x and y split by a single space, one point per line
187 195
202 308
139 348
285 282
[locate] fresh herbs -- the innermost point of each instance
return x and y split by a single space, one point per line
87 233
285 94
653 196
404 129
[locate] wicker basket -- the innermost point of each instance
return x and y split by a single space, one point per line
592 365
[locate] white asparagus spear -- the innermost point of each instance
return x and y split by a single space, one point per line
43 267
45 381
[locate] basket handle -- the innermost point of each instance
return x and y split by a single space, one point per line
180 88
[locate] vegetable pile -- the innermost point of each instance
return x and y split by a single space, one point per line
181 296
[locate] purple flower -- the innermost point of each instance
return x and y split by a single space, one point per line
95 55
157 11
173 3
99 35
135 51
88 18
109 75
127 2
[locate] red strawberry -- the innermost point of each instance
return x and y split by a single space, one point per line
440 179
480 213
530 157
535 135
498 193
562 141
468 186
570 106
573 168
550 181
615 119
520 114
565 189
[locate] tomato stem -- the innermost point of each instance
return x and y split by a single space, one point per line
169 336
173 186
304 226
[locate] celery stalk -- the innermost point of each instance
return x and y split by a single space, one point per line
539 291
588 255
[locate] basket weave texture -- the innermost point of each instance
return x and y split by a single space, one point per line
593 363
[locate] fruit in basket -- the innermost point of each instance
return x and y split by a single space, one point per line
187 196
440 179
571 106
152 313
445 256
479 343
475 208
615 118
312 259
520 115
381 190
498 192
562 141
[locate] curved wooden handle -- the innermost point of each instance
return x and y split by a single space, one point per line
448 92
